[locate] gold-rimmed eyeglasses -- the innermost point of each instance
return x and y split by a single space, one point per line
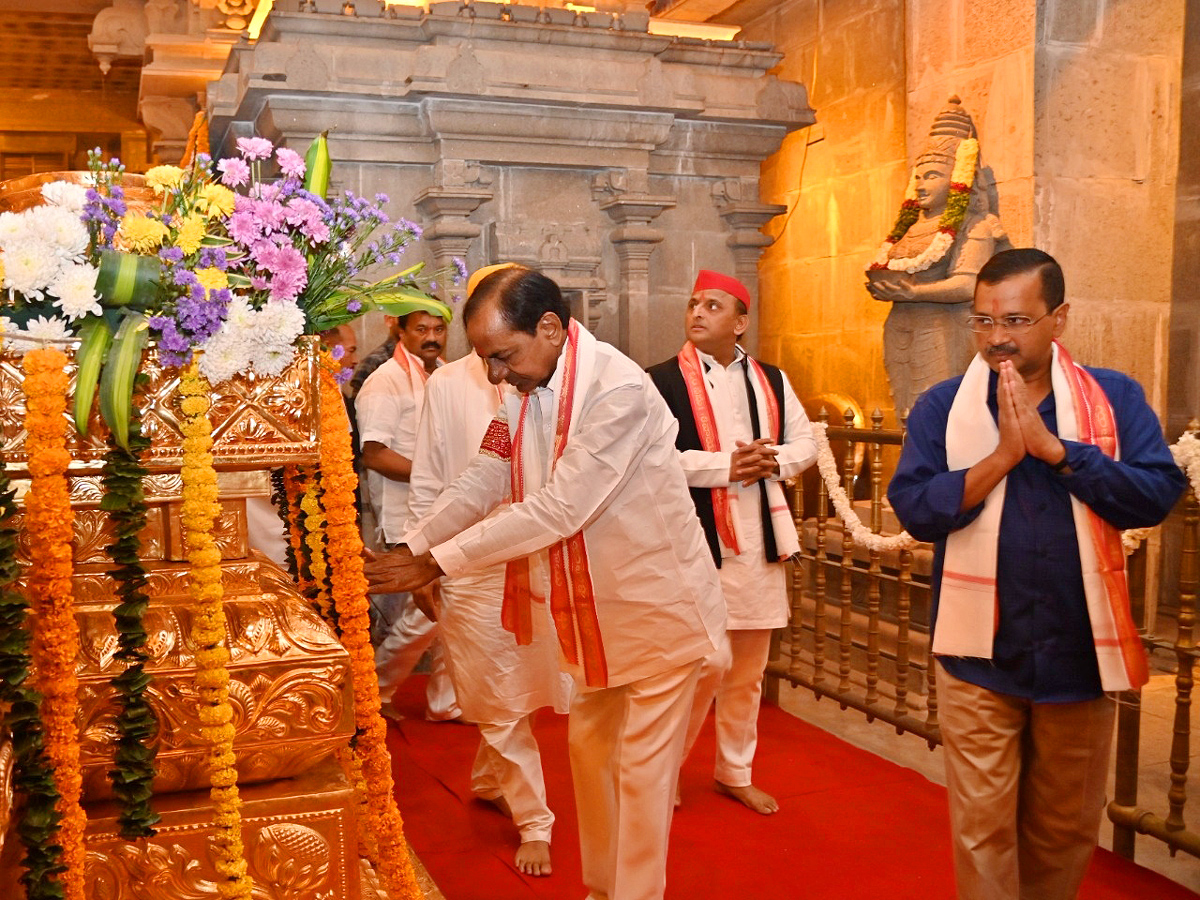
1011 324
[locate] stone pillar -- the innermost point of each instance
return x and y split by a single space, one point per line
460 187
737 202
633 208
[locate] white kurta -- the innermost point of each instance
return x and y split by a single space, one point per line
496 681
755 590
388 408
658 599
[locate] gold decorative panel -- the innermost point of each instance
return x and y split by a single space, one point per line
257 422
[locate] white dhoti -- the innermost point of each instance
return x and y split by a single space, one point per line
411 634
626 746
499 686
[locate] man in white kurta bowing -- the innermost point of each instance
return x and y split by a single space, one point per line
741 433
604 551
499 683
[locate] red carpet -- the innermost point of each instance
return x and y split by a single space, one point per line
851 825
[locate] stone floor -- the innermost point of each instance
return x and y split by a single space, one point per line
1158 711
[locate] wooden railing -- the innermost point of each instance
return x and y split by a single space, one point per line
859 629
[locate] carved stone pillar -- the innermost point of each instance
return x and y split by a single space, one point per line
630 205
460 187
737 201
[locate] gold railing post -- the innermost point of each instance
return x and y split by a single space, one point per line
820 577
874 569
846 595
1185 644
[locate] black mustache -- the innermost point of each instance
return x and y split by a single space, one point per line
1002 348
431 345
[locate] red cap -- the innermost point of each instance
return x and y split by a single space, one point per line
708 280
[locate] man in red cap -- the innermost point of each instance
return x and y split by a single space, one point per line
742 432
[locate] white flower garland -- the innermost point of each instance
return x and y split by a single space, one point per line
1186 452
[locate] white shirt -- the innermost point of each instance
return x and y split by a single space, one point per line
496 680
388 407
755 590
658 599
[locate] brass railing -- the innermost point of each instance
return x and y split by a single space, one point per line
859 629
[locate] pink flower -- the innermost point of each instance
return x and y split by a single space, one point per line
234 172
243 227
307 216
254 147
290 162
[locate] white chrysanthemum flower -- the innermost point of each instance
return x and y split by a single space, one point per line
224 356
66 195
75 291
271 361
12 229
62 229
280 323
47 328
30 267
241 318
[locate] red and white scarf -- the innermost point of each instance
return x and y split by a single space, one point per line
786 541
572 598
414 368
968 608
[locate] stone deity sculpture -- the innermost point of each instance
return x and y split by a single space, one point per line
926 267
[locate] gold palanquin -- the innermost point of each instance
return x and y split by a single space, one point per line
289 676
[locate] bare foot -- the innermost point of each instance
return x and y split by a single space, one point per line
533 858
755 798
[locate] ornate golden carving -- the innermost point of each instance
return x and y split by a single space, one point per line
256 421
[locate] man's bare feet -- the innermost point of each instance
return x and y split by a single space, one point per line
533 858
755 798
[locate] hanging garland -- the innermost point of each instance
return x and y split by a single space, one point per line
125 502
33 778
49 527
314 539
200 510
957 201
279 499
295 483
344 549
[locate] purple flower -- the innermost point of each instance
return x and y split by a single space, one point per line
343 375
460 271
353 306
234 172
290 162
411 227
171 255
338 351
254 147
213 257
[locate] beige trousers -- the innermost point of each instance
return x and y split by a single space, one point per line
509 765
626 745
411 634
1027 788
732 675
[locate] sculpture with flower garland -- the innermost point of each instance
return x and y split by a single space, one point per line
945 231
226 284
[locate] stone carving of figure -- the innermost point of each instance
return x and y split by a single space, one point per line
947 229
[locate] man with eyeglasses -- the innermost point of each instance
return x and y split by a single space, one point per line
1022 472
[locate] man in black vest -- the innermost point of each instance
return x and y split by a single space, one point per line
741 433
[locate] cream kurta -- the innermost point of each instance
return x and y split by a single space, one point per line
755 590
658 599
496 680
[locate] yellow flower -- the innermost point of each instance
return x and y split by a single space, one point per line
212 278
190 234
216 200
162 177
141 233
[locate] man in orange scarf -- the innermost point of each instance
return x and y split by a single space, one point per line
604 552
1023 471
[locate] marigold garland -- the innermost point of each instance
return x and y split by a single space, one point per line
33 778
199 511
49 526
315 539
125 501
349 585
295 482
279 499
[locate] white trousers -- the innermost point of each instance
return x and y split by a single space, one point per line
410 635
509 765
732 675
626 744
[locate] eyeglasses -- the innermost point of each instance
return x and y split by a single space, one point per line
1011 324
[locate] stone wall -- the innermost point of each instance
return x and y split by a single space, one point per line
842 181
1106 96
